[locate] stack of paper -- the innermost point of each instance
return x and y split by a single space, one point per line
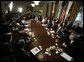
44 25
26 29
52 31
35 50
66 56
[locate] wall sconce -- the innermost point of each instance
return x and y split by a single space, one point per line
11 6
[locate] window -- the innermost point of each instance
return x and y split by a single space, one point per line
79 18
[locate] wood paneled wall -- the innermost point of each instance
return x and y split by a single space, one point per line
47 10
56 3
51 9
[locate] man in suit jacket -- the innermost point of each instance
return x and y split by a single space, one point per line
75 46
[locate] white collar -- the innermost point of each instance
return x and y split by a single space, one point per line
71 41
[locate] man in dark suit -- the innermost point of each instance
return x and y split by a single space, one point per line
54 25
74 46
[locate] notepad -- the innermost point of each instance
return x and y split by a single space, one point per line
48 33
9 33
44 25
52 31
66 56
35 50
26 29
26 25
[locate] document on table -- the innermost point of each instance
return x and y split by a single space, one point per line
44 24
35 50
26 29
66 56
52 31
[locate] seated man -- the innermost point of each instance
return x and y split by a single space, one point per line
40 18
49 23
36 18
24 20
63 33
44 20
54 25
59 28
74 46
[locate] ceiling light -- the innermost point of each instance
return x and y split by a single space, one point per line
20 9
36 2
33 5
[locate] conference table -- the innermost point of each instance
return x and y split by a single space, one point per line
45 41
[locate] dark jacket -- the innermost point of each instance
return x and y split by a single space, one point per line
76 49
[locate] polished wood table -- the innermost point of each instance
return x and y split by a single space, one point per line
45 41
